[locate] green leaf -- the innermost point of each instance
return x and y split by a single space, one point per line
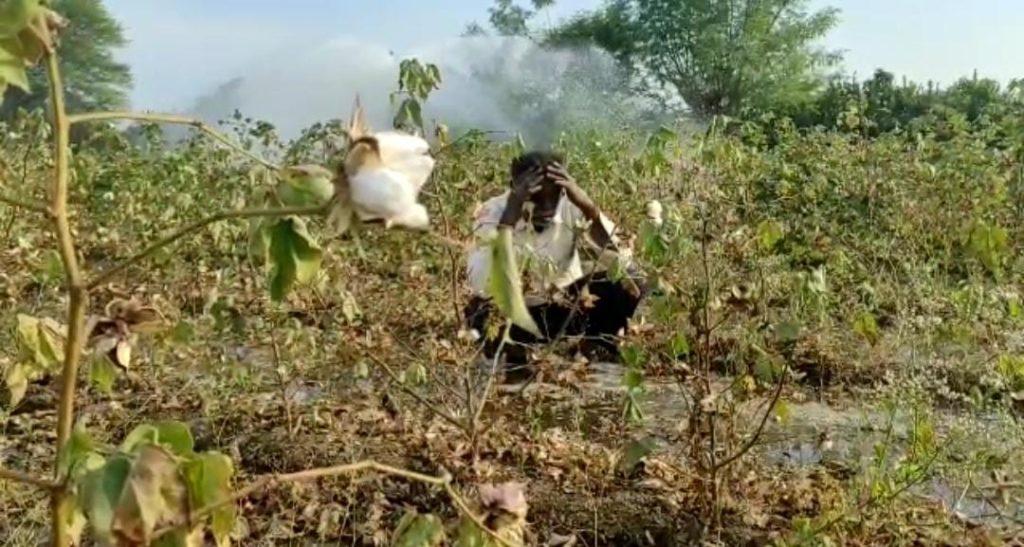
787 331
635 452
99 493
77 451
769 233
632 356
305 185
679 344
294 254
172 435
867 327
209 481
505 284
183 332
989 245
15 15
416 530
181 538
12 71
39 341
102 374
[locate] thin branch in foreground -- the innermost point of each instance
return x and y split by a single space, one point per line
25 478
175 120
35 207
419 398
760 427
106 275
272 481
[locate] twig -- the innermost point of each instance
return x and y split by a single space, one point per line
272 481
419 398
490 377
282 380
18 476
34 206
106 275
175 120
749 444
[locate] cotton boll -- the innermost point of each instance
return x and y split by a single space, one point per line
381 193
385 174
654 211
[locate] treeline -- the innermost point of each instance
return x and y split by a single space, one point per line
759 62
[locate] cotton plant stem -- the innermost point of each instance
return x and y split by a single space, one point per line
78 294
108 274
175 120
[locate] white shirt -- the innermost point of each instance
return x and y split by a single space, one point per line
552 256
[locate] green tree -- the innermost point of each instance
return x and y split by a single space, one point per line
719 56
95 80
508 18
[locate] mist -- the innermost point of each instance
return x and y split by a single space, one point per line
506 86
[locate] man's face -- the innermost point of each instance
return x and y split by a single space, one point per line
544 204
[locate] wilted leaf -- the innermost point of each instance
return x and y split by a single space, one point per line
506 285
294 254
153 494
123 354
416 530
16 377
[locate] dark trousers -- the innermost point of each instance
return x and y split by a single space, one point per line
598 322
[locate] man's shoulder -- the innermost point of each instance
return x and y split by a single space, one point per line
490 210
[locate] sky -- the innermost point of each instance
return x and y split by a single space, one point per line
182 49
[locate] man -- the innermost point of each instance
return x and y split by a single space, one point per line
553 220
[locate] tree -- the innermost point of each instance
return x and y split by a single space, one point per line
719 56
610 29
95 80
508 18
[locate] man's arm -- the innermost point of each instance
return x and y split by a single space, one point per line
525 184
598 231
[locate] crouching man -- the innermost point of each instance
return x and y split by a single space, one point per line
579 284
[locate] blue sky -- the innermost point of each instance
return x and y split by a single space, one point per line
184 48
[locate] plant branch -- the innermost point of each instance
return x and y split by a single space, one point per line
419 398
272 481
106 275
18 476
175 120
78 296
749 444
35 207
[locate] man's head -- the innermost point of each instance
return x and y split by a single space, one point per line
543 201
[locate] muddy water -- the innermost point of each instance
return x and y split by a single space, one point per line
843 434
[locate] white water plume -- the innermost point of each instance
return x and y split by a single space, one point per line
505 85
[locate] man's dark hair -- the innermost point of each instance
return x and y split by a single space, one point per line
536 158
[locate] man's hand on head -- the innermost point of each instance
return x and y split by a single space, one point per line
557 173
523 186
